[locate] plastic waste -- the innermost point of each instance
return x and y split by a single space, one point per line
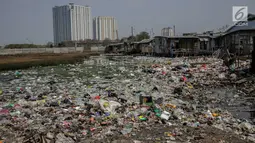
83 112
146 100
171 106
222 76
159 101
179 113
232 67
165 115
84 132
19 89
97 97
41 102
190 86
158 112
68 101
246 126
1 92
143 110
233 76
203 66
195 125
92 129
215 114
10 105
184 78
127 129
33 98
79 102
16 113
109 106
66 124
17 106
4 111
175 79
169 134
17 74
208 114
169 62
142 118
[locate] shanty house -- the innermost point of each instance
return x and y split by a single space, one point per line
238 39
161 46
146 46
184 45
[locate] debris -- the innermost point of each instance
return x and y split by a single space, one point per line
165 115
148 99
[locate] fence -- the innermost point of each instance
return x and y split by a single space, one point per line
41 50
97 49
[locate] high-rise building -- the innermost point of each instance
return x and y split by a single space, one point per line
71 22
168 31
105 27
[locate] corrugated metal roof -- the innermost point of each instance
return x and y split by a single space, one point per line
145 41
250 26
183 37
116 44
161 36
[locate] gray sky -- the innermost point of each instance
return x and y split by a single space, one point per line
32 19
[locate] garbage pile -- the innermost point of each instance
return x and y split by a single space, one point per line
106 99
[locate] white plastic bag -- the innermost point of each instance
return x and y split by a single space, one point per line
109 106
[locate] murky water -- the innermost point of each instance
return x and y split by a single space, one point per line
236 102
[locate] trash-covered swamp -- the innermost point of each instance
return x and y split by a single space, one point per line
129 99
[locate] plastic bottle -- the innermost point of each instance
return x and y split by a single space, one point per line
209 114
16 113
142 118
158 112
10 105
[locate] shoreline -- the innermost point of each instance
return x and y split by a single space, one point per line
15 62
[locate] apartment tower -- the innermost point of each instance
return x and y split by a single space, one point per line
168 31
105 27
71 23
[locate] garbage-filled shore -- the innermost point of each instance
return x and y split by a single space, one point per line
129 99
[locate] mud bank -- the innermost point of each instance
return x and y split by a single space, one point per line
14 62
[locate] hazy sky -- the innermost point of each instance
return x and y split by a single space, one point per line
32 19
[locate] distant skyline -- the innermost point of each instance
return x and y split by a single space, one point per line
32 19
105 27
72 23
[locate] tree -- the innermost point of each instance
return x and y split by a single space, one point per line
131 39
49 44
67 44
62 44
88 43
19 46
124 39
142 35
106 41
